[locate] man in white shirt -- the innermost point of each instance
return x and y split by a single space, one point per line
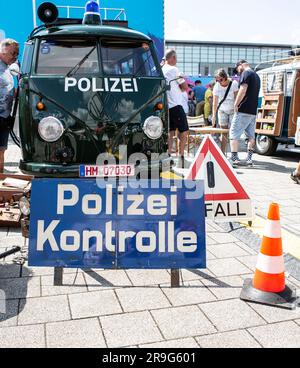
178 119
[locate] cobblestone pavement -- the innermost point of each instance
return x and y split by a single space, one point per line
133 308
269 181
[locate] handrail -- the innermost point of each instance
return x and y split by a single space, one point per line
120 11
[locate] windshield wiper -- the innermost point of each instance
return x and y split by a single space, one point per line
81 62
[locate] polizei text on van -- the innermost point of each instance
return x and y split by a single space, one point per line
113 85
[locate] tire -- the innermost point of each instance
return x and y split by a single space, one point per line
265 145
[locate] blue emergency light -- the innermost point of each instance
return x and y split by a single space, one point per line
92 14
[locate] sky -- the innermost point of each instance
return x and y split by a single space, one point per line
256 21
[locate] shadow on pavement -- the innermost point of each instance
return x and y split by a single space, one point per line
12 289
101 281
289 156
212 279
269 166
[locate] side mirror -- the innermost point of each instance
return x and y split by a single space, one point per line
14 70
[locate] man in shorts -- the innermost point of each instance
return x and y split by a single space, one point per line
178 119
244 120
9 51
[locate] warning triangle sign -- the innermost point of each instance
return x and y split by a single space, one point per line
224 194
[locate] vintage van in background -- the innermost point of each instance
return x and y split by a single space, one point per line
278 118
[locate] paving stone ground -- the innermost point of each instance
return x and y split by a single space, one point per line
269 181
139 308
127 308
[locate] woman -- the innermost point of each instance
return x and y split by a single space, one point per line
225 93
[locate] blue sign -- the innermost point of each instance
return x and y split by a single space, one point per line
77 224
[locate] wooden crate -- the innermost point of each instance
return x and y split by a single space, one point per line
10 214
270 115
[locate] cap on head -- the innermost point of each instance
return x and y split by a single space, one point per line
239 63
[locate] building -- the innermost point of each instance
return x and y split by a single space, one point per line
204 58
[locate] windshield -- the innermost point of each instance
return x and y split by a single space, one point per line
59 57
80 56
123 58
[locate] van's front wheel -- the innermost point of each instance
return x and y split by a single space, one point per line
265 145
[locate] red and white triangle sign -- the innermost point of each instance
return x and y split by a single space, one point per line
225 197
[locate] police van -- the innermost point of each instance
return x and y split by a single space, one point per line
86 89
278 118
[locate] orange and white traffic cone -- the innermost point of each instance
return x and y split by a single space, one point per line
270 269
268 286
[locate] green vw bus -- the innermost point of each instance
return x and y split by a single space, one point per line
85 90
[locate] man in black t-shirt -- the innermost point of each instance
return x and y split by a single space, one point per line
246 104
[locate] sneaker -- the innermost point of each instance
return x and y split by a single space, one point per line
295 178
235 163
249 163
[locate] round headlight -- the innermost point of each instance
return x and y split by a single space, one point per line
153 127
24 205
51 129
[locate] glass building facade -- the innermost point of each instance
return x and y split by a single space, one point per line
203 58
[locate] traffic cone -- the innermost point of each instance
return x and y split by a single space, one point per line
268 286
270 269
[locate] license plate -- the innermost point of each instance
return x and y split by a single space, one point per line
108 171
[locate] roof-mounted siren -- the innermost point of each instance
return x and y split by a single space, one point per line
48 13
92 14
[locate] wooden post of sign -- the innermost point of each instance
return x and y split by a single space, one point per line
58 276
175 278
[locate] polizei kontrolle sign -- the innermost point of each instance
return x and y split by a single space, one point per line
81 224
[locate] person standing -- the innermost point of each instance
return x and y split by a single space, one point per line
208 103
199 92
225 93
9 51
192 104
245 107
178 118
